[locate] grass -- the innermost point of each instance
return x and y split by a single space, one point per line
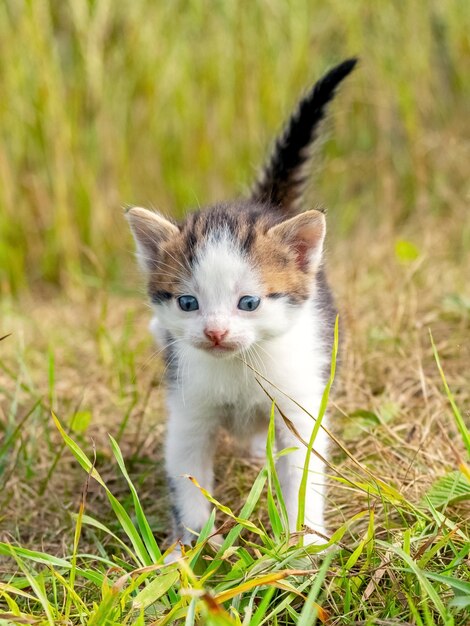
105 104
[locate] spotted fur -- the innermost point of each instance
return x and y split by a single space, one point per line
218 351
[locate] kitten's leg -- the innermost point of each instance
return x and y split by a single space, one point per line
257 446
290 468
189 450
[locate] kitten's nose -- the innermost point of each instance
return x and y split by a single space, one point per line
216 336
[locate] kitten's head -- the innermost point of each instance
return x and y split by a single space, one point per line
231 276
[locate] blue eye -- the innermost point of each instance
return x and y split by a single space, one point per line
249 303
188 303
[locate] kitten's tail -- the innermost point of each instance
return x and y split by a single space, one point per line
283 180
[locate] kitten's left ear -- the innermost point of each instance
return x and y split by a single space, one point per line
305 233
150 231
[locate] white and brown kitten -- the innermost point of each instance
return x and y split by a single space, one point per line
242 282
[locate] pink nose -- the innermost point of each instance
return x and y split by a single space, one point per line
216 336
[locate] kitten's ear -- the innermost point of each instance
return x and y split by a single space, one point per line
304 233
150 231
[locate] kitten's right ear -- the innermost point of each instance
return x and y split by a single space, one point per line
150 231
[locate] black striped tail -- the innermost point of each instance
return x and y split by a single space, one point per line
283 180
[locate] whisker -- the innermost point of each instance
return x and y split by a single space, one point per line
155 354
174 357
260 357
260 347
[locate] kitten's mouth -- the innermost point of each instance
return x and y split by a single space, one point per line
218 349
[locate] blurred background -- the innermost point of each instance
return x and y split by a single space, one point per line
175 104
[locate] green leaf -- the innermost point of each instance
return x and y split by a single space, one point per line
225 509
205 533
141 553
37 585
7 549
367 416
247 510
80 422
144 526
78 453
460 602
448 489
458 586
465 433
358 422
155 589
90 521
388 411
405 251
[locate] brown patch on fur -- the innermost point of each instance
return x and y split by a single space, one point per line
277 263
161 248
177 256
171 268
280 253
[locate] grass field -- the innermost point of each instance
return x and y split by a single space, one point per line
174 105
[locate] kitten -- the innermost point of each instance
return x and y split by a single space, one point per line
242 283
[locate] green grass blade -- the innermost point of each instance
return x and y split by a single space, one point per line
90 521
423 580
78 452
191 614
76 539
279 520
262 606
121 514
49 560
36 587
247 509
201 540
155 589
449 489
144 526
311 610
457 585
464 432
313 436
225 509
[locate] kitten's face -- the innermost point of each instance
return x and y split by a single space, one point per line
228 279
222 305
